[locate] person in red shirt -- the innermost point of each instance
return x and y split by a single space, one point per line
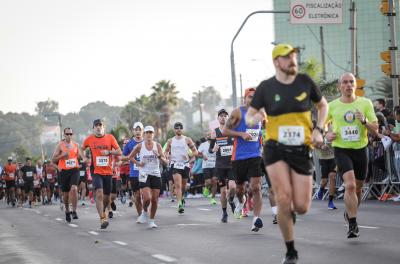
10 170
102 147
50 175
66 155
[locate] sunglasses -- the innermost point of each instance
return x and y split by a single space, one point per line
68 134
178 127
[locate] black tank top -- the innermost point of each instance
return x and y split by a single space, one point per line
224 153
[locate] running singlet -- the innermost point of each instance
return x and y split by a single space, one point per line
179 153
70 162
102 163
350 133
224 153
288 109
51 173
28 173
134 171
211 157
151 162
10 170
246 149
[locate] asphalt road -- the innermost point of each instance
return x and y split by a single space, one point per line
41 235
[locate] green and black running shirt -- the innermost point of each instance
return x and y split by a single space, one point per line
288 109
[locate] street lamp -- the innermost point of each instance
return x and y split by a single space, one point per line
233 74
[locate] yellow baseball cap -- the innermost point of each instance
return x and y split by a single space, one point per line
282 50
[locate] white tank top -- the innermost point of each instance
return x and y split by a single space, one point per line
151 162
179 150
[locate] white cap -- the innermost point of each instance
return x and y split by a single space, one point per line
149 128
9 158
138 124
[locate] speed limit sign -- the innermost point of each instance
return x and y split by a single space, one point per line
316 11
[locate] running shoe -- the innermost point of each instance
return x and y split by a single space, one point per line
353 231
83 204
224 218
206 192
68 217
181 210
113 206
274 219
183 202
213 201
257 224
245 212
123 199
331 206
143 218
74 215
103 223
233 206
110 214
320 194
152 224
130 204
290 258
238 211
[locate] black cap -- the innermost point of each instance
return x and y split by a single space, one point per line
178 124
97 121
222 111
28 158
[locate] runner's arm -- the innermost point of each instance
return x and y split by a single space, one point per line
161 155
57 155
212 143
133 154
192 146
254 116
168 149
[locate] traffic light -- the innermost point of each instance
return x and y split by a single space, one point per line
385 8
360 87
386 67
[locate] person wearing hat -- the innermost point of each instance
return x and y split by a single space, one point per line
133 180
287 99
28 174
102 147
66 157
223 146
246 158
150 153
177 150
10 170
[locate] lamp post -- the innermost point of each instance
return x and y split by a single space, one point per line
233 74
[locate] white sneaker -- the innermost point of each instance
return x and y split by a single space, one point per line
152 224
238 211
143 218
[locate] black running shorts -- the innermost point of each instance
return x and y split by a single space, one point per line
246 169
352 159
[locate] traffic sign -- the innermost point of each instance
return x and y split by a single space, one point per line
316 11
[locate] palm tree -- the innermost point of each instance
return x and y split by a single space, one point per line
164 98
120 132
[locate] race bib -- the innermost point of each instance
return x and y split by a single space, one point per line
35 182
21 181
29 174
143 177
226 150
11 175
254 133
350 133
49 176
71 163
135 167
82 173
291 135
179 165
102 161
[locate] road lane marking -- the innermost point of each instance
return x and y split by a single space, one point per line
93 233
120 243
58 219
163 257
73 225
203 209
190 224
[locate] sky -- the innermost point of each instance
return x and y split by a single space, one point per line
81 51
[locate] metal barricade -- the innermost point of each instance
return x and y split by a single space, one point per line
394 159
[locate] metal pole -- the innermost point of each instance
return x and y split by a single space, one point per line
201 112
241 88
393 54
59 123
321 35
353 36
233 74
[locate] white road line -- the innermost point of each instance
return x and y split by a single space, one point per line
203 209
163 258
368 227
58 219
73 225
93 233
46 215
120 243
190 224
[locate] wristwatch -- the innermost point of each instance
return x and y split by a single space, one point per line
320 130
364 122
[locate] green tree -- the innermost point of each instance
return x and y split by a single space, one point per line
164 98
21 153
120 132
44 107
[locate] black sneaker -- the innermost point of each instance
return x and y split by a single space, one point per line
113 206
74 215
130 204
233 206
224 218
68 217
110 214
275 219
353 231
290 258
104 223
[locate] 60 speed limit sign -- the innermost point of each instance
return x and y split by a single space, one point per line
316 11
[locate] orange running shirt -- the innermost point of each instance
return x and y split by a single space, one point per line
102 163
72 161
10 170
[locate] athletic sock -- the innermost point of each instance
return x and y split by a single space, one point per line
330 198
290 247
224 210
